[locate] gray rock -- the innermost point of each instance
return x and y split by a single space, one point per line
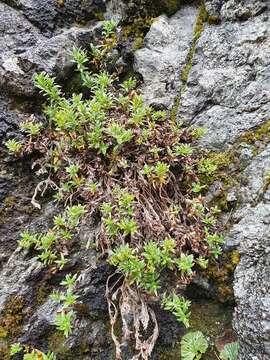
9 120
213 7
251 286
163 56
228 89
18 277
246 154
235 9
91 322
130 9
50 14
243 9
228 92
232 196
50 55
16 32
256 178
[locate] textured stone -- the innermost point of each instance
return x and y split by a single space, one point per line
236 9
252 291
9 119
25 50
256 178
128 9
50 14
228 88
228 92
50 55
163 56
91 330
243 9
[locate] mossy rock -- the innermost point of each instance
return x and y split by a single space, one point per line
146 8
169 6
11 321
12 317
56 343
4 352
211 318
43 292
220 274
198 29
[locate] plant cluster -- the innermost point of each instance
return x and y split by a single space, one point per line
195 344
144 268
179 306
50 245
30 354
108 155
64 319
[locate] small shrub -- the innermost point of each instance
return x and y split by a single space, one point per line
109 27
13 146
179 306
108 155
64 319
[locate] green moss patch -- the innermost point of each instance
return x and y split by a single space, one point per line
12 317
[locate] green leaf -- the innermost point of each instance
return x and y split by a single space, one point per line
152 254
73 170
15 348
61 262
230 351
69 280
128 226
199 132
185 263
69 299
207 166
128 84
80 57
159 115
183 150
31 356
49 356
179 306
121 254
109 28
30 127
119 133
63 321
197 187
27 240
56 296
202 262
47 85
13 146
193 346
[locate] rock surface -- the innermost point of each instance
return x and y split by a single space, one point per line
39 36
50 15
163 56
26 50
252 319
227 91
